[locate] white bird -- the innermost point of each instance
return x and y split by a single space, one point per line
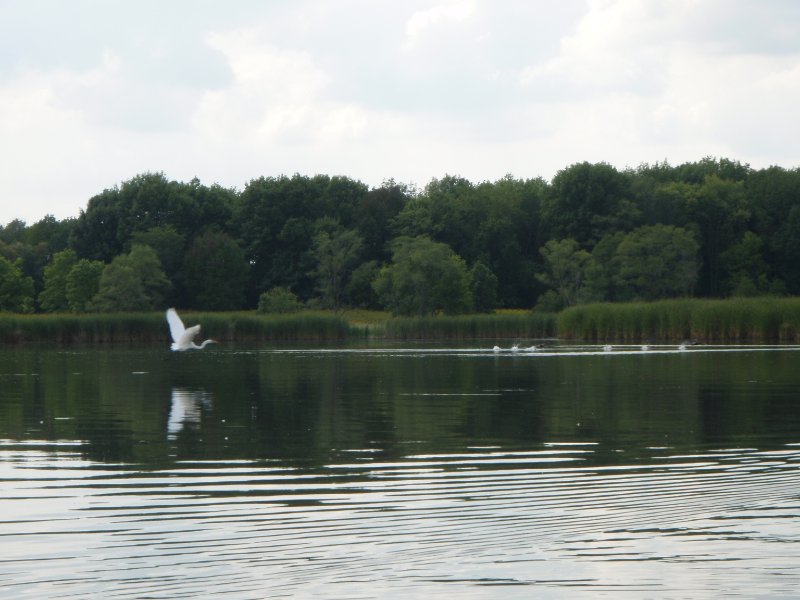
182 338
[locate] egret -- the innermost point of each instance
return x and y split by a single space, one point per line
182 338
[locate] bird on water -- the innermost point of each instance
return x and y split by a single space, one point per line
183 338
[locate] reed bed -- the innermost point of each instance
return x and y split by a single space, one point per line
730 320
463 327
152 327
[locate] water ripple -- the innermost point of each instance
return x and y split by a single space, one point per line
439 524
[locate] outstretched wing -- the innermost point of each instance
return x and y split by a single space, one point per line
181 337
176 327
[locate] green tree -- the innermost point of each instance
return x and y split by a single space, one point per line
483 287
566 265
600 276
359 290
587 201
425 277
372 215
132 282
656 261
146 202
336 251
53 298
278 300
83 283
276 225
16 289
216 273
746 270
718 209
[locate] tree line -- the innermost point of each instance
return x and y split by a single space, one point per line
710 228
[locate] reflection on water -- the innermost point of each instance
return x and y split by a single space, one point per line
185 409
399 473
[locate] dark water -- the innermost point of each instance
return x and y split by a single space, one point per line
411 472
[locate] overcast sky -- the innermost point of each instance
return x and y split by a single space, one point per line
94 92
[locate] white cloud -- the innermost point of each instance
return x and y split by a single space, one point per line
423 20
378 89
277 96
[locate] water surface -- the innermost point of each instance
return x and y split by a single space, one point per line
399 472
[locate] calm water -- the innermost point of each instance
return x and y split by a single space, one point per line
433 472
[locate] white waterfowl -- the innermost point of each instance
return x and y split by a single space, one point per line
183 338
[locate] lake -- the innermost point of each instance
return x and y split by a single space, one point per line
400 472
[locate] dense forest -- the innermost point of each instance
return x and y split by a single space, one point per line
712 228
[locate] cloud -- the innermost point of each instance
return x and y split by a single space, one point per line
277 96
378 89
422 21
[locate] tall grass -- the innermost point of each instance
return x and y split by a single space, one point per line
503 325
730 320
152 327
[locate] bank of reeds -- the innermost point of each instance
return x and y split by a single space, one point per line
463 327
152 327
730 320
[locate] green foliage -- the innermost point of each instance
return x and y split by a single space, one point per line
132 282
359 290
170 246
483 288
566 265
276 225
16 290
587 201
278 300
148 202
656 261
83 283
216 272
425 277
744 222
53 298
336 251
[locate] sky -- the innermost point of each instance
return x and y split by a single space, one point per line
94 92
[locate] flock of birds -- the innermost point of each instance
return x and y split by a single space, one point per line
607 348
183 338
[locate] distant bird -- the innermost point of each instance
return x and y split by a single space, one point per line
182 338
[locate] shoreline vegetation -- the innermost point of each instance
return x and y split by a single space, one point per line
748 320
